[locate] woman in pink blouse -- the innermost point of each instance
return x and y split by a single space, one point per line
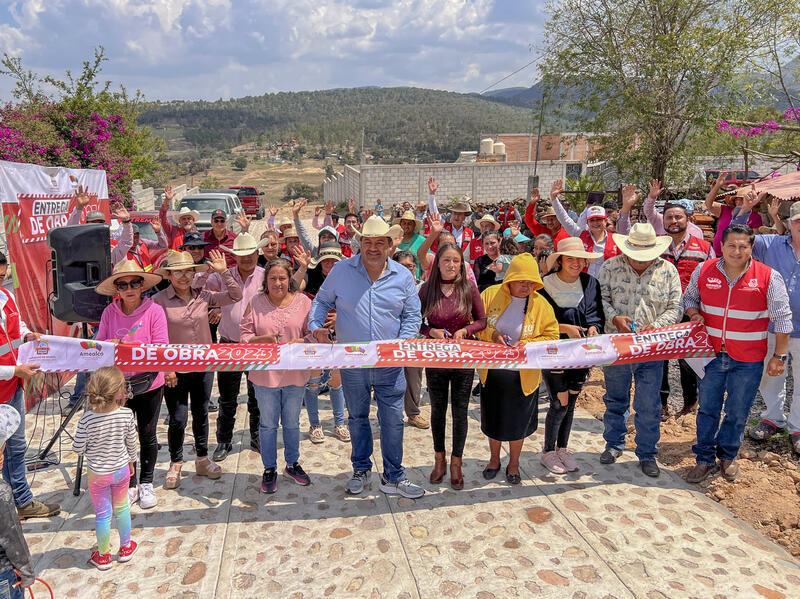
279 314
187 320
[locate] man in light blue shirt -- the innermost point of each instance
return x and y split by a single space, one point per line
375 299
781 252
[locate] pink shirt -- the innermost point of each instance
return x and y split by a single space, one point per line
289 322
232 313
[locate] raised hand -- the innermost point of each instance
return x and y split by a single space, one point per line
750 200
156 224
82 197
772 209
718 183
514 226
329 206
273 210
119 212
317 210
435 222
432 186
655 189
368 213
555 190
217 263
242 220
302 256
169 195
298 205
535 195
351 205
629 196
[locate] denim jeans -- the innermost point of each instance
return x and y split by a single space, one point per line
312 399
773 388
740 380
389 385
14 467
279 404
646 402
8 579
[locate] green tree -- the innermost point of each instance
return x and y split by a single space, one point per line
240 163
329 172
651 75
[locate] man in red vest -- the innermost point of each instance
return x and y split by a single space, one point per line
736 297
548 223
186 219
686 252
13 333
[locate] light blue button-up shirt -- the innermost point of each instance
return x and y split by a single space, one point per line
776 251
389 308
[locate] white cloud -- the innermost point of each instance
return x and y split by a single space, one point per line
207 48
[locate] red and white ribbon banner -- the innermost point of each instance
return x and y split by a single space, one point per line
65 354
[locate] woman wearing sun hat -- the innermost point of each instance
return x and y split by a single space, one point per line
516 314
136 319
575 298
186 310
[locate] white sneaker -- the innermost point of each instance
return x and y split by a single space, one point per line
133 495
147 496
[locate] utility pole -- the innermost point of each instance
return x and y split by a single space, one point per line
363 158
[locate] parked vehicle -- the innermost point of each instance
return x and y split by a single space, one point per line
206 203
735 177
251 200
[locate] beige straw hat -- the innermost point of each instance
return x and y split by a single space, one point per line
180 261
409 215
127 268
375 226
570 246
642 243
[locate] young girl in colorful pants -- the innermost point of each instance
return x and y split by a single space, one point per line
106 435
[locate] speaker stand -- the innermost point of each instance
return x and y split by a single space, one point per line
43 460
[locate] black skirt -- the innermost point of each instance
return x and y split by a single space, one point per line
507 414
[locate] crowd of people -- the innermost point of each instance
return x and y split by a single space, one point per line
456 272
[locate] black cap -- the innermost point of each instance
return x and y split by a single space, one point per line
193 239
218 212
334 216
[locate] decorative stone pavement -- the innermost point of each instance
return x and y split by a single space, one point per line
606 531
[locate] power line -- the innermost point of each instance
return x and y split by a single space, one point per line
509 75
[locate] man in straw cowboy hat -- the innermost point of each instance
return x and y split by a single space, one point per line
738 299
185 219
375 298
459 211
486 223
547 224
411 234
641 291
250 277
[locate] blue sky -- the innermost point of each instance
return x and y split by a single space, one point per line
187 49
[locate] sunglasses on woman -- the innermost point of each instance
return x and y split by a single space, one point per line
123 285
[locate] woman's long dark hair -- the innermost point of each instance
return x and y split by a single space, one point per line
461 285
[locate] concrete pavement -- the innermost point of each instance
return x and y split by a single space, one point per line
606 531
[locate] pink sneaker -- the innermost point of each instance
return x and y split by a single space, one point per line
126 553
552 462
101 562
567 460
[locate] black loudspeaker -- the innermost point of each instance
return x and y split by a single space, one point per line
81 260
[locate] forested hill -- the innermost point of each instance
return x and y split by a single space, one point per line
403 123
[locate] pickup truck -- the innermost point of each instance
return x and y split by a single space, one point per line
251 200
732 176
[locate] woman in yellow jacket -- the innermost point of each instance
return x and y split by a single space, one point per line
516 314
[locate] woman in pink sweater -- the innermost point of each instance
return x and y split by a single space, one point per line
278 314
133 319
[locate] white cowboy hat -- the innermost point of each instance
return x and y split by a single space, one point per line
244 245
409 215
281 222
570 246
328 250
9 422
642 243
128 268
180 261
375 226
186 211
488 218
